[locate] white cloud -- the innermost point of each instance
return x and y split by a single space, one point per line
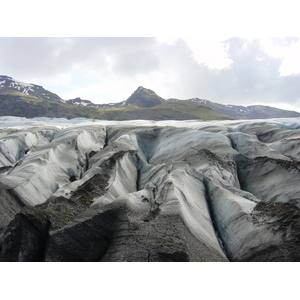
288 50
291 61
212 52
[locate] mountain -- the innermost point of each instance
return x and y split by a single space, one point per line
79 101
29 100
14 103
27 88
99 191
247 112
143 97
142 104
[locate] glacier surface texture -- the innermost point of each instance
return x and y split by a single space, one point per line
91 190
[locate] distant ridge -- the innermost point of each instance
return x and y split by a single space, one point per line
22 99
248 112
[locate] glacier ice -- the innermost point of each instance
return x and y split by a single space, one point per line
163 190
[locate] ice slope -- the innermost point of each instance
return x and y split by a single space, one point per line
51 163
179 190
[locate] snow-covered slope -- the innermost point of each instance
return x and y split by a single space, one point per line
149 191
27 88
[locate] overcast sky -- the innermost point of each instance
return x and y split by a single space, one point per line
229 70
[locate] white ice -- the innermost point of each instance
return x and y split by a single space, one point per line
185 168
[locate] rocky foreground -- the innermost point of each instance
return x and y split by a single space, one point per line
149 191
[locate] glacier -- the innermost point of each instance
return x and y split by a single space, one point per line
99 190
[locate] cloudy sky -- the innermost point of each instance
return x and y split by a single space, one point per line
229 70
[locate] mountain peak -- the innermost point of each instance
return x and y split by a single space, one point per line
143 97
140 88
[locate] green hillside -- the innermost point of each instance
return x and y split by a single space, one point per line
198 111
13 103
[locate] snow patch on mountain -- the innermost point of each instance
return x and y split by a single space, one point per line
27 88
